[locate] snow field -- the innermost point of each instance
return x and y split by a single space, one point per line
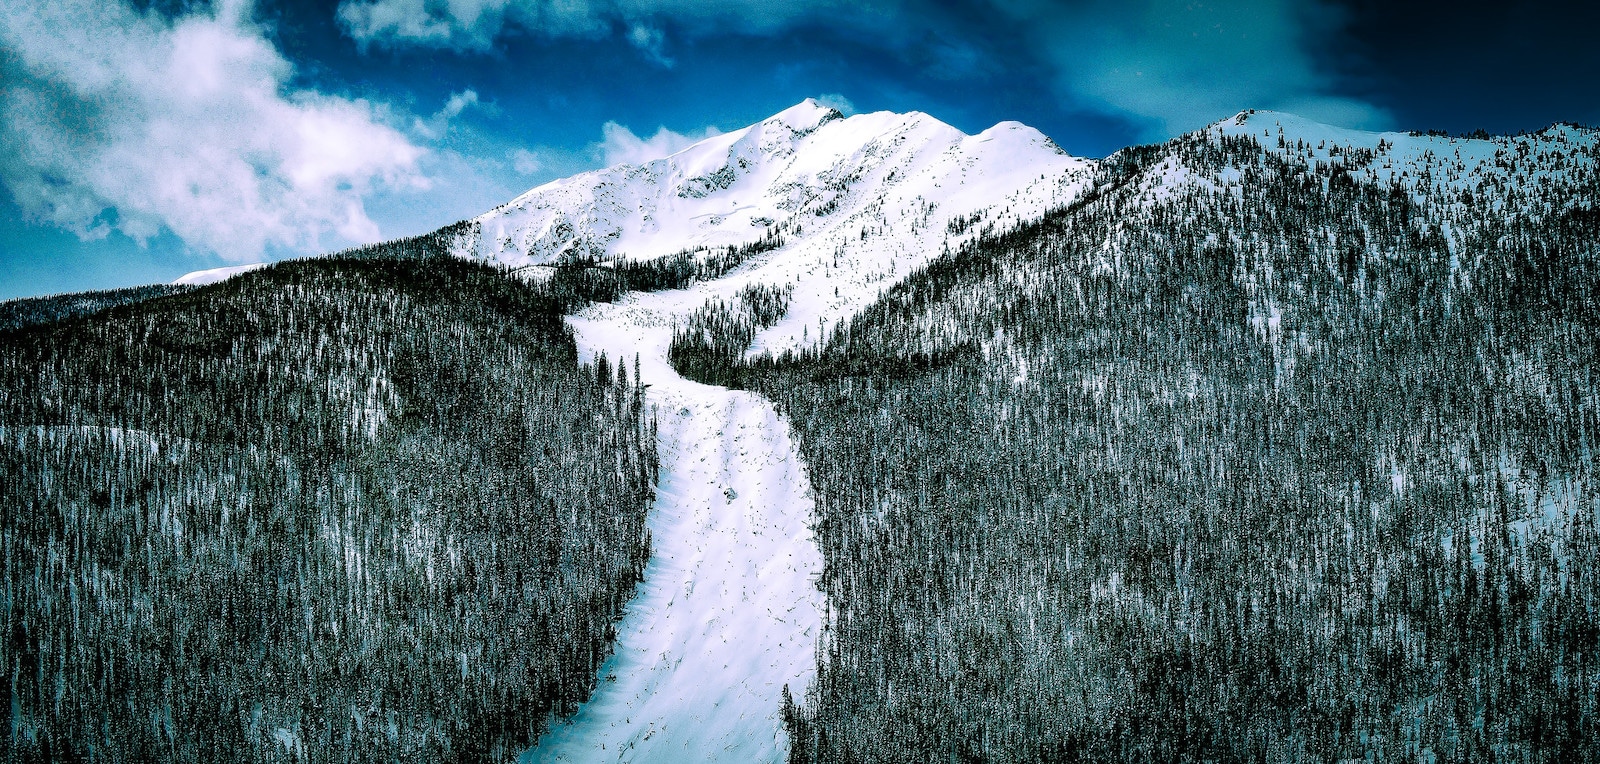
214 275
727 614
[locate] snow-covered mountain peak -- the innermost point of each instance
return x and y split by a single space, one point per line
1010 131
857 203
1290 135
214 275
805 169
1266 127
804 116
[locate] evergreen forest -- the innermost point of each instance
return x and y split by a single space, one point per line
368 507
1244 456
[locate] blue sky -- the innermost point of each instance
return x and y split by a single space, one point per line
146 139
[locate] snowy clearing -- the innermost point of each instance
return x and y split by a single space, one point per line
727 613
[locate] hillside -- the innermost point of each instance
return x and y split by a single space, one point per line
355 508
1275 445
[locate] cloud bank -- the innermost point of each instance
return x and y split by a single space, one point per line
475 24
1166 65
116 119
619 145
1178 65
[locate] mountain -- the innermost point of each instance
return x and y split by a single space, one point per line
808 164
1276 444
839 207
853 200
830 209
819 213
1269 442
214 275
30 311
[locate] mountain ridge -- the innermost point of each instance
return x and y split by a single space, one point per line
618 212
807 161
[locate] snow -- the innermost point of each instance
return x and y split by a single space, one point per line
53 436
1440 164
806 168
214 275
728 613
870 196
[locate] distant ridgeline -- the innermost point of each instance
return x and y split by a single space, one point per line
1247 456
31 311
360 508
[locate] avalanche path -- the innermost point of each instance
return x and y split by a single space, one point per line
727 613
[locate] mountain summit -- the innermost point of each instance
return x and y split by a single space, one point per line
850 204
806 167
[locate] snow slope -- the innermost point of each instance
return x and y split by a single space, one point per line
214 275
1423 163
728 614
859 200
1539 174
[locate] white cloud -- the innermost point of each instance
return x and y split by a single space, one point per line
1181 64
526 162
652 42
435 127
475 24
619 145
464 24
457 103
188 125
470 24
836 101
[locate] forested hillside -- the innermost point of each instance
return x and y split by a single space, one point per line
360 508
1264 450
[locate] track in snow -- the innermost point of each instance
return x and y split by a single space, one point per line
727 613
